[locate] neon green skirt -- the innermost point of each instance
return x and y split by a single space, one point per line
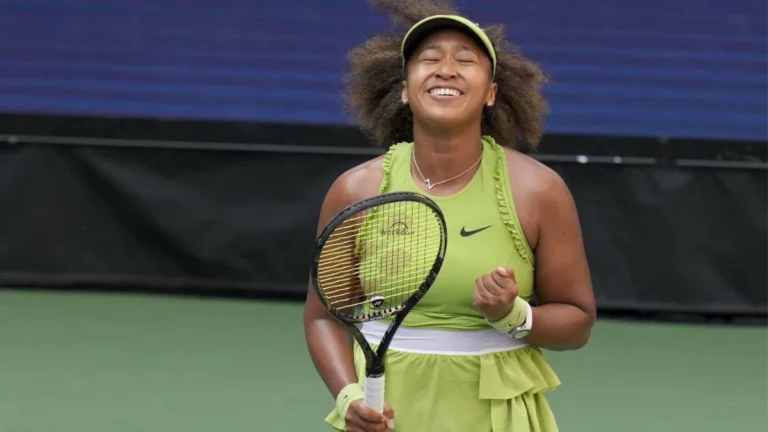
498 392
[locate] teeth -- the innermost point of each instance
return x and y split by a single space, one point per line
444 92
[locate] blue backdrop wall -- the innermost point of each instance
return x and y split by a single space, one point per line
676 68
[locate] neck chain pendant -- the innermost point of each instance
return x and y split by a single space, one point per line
429 183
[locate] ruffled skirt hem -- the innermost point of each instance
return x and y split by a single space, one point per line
497 392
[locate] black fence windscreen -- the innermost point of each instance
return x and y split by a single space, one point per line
658 238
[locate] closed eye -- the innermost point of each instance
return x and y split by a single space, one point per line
466 58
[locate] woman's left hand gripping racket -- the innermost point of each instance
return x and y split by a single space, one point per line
376 259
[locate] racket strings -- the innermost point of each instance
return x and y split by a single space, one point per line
337 245
337 281
414 277
342 250
370 267
381 294
381 254
381 286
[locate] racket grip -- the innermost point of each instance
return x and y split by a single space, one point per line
374 392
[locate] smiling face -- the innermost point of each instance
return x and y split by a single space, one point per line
448 80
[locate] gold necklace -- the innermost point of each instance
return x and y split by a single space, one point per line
429 183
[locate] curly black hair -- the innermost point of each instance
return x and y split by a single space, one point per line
374 82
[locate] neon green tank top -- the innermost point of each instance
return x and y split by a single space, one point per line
483 233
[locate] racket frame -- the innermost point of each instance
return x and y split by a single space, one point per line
374 360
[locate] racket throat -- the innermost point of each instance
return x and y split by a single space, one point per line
374 371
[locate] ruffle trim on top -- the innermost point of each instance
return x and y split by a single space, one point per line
505 203
386 165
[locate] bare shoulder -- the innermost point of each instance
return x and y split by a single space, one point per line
355 184
361 181
535 180
539 193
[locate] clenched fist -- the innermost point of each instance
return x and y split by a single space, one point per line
495 293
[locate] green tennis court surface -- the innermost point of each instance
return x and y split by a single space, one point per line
112 363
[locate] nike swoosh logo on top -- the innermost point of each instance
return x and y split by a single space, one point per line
465 233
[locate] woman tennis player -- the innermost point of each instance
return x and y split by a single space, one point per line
454 100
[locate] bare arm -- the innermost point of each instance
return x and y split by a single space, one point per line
563 282
328 341
330 346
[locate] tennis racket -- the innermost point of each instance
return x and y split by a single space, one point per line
374 260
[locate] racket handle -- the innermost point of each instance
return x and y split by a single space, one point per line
374 392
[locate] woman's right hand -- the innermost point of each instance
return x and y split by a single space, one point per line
361 418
